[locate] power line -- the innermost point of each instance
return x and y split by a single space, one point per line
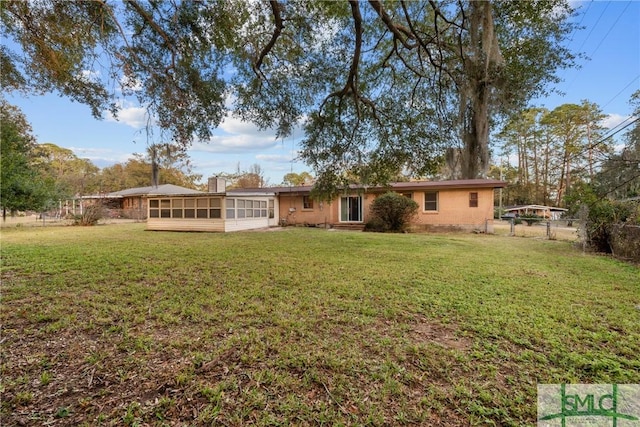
579 23
621 129
611 28
602 140
593 27
623 89
619 124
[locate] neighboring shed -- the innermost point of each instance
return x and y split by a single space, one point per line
548 212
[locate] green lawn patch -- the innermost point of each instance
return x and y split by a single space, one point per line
115 325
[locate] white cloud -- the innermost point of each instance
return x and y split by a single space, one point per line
613 120
130 84
134 116
234 125
234 144
90 76
235 136
101 157
275 158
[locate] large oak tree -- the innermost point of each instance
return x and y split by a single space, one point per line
379 86
23 185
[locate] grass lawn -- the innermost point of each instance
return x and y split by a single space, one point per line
115 325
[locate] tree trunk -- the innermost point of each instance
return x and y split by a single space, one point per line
155 173
475 153
480 61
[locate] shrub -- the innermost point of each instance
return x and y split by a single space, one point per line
391 212
90 216
602 216
625 241
376 224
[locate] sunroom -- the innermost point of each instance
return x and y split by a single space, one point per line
212 212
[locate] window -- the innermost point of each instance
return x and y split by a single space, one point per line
408 195
231 211
205 208
238 208
307 202
351 209
431 201
473 200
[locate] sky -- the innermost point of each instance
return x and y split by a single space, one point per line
610 39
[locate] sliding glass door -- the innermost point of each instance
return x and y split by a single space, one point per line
351 209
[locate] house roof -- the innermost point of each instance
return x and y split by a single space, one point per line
169 190
534 207
411 185
247 192
160 190
175 190
454 184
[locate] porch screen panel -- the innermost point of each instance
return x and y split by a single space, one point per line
165 208
176 211
216 208
189 211
154 208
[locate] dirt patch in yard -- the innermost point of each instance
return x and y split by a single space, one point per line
429 331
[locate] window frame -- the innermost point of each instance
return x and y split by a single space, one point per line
307 203
431 205
350 207
474 199
210 208
238 208
186 208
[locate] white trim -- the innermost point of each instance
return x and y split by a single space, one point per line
361 213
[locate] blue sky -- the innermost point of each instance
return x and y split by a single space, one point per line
610 39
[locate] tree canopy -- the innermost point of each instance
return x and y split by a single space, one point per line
23 186
250 178
554 150
296 179
380 86
160 164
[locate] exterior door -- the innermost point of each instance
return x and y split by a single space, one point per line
351 209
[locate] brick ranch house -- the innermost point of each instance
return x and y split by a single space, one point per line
466 205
